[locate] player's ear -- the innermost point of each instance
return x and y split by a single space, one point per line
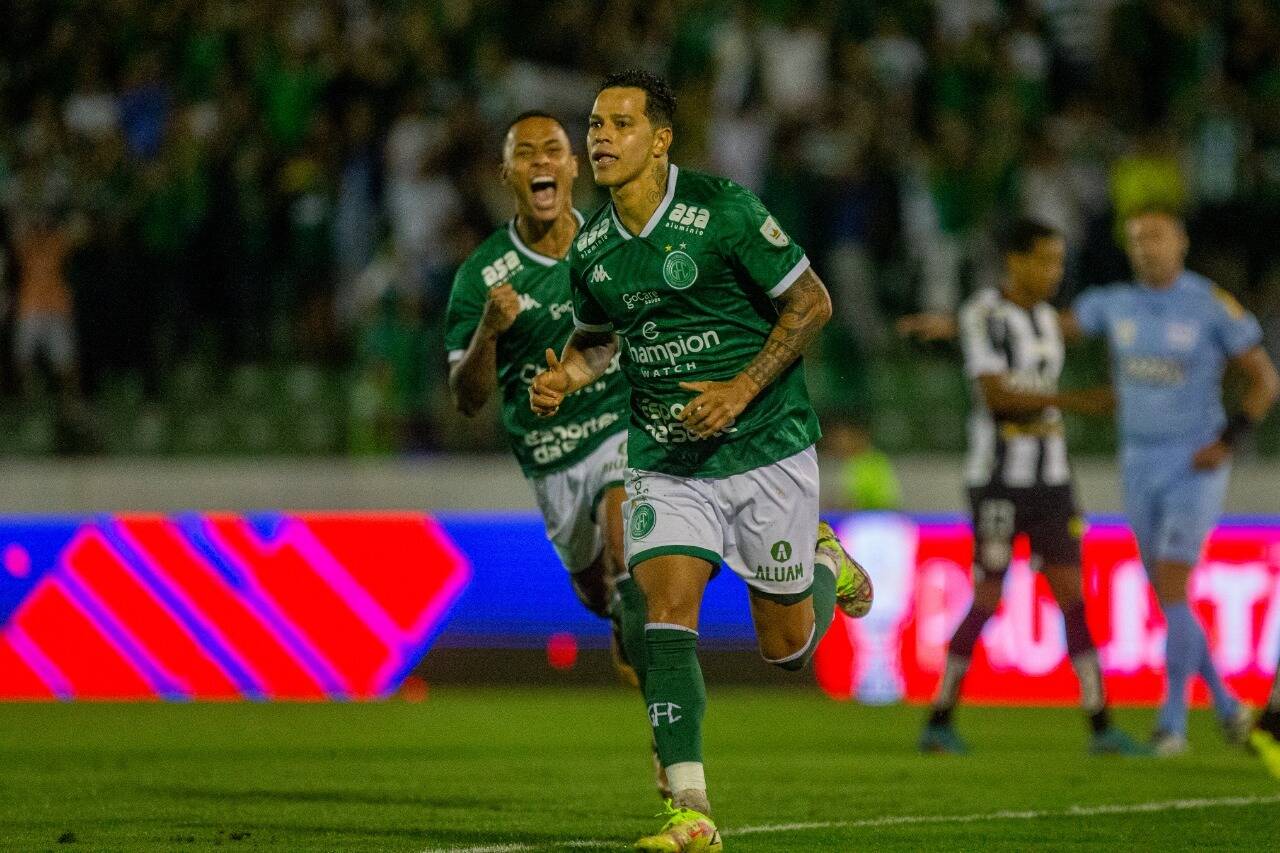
662 141
573 165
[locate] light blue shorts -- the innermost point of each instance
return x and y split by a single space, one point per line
1171 507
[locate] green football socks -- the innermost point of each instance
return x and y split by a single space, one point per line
675 693
632 613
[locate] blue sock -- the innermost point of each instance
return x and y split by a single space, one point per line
1182 658
1224 703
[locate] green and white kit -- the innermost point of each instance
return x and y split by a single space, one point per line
564 456
763 523
691 299
568 499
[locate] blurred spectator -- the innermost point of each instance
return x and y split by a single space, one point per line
43 320
867 479
237 165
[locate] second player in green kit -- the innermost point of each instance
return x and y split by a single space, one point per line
709 304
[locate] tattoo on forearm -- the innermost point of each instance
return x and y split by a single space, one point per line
803 311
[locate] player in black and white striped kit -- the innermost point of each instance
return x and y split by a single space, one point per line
1018 476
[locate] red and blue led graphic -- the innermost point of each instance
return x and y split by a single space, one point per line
344 606
221 606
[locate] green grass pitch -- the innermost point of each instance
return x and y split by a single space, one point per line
568 769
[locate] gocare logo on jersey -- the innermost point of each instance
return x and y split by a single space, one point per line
687 217
501 269
588 239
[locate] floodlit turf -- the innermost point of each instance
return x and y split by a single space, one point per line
539 769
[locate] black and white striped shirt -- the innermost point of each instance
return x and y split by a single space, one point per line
1001 338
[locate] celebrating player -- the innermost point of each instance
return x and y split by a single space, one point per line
713 305
1018 476
509 297
1171 335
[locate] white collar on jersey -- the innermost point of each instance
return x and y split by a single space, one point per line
536 257
672 173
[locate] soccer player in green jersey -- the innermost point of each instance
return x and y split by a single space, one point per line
710 305
510 296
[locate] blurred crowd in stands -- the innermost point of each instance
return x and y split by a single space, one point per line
221 185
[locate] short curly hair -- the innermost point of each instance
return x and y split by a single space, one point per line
659 100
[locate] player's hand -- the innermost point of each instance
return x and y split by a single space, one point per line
927 327
1090 401
547 391
1211 456
500 308
717 405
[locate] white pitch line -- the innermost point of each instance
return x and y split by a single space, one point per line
909 820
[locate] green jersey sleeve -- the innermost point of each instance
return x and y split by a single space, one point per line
587 313
462 316
755 244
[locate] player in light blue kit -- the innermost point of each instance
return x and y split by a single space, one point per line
1171 335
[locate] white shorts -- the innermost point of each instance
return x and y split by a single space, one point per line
568 501
763 523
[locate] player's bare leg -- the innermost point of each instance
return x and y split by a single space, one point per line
939 736
789 628
1066 584
1186 653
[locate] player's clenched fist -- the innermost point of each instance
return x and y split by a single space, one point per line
549 387
501 308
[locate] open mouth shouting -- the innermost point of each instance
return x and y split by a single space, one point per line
544 192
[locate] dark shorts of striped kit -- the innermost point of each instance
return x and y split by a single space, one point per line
1046 515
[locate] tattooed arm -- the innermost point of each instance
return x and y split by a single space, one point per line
803 309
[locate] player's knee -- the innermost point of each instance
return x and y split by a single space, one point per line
785 645
1064 583
1171 579
986 592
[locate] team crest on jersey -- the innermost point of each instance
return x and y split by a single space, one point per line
1181 336
772 232
588 239
679 270
643 518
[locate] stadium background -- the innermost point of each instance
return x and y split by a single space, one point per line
250 214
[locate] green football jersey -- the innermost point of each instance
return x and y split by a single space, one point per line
691 299
542 445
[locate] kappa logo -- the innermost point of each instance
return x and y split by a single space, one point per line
771 231
598 274
528 303
589 238
668 711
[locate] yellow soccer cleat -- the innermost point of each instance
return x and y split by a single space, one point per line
685 831
1268 749
853 584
